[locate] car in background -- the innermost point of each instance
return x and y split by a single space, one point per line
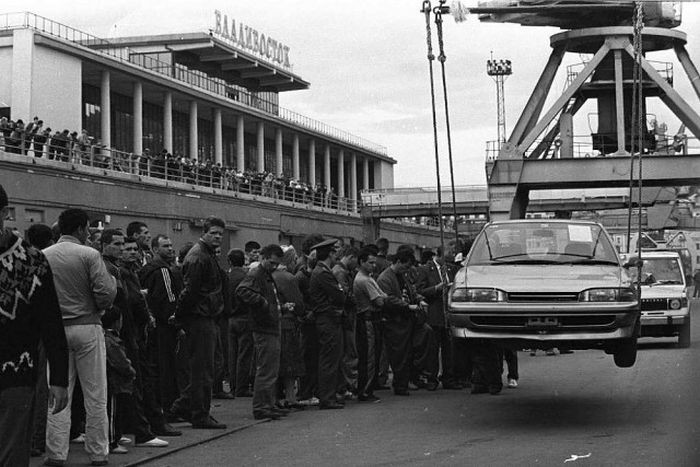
665 308
540 284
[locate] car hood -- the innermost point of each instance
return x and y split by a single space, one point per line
545 278
663 291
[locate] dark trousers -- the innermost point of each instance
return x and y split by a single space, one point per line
41 403
487 365
134 406
201 333
267 367
462 359
425 362
330 356
15 425
221 354
116 416
148 382
511 358
398 331
167 364
443 346
365 332
308 384
245 354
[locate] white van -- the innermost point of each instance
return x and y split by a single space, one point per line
665 309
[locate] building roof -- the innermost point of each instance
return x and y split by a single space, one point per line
214 56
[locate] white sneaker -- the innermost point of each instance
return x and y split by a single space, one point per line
125 440
512 383
78 439
119 450
154 443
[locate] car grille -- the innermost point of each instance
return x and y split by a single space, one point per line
651 304
564 321
542 297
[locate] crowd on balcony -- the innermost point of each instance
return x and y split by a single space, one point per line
33 139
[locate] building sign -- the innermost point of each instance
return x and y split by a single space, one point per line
250 40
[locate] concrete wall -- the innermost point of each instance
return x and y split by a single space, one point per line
6 75
43 82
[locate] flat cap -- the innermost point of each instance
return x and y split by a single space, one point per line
325 244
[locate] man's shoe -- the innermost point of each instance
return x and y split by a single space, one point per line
177 413
99 462
495 390
153 443
78 439
280 412
210 424
118 450
266 415
512 383
54 462
125 440
223 395
331 406
431 386
479 389
401 392
368 398
166 430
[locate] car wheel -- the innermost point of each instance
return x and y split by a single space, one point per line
626 353
684 335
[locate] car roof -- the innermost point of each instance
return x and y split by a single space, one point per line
544 221
656 254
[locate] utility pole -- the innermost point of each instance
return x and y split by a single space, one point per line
499 70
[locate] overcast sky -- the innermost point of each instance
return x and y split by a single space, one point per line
366 62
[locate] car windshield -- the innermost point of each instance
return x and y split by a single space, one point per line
659 271
543 243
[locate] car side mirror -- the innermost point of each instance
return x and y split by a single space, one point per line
633 263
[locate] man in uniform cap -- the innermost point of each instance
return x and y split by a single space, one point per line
327 299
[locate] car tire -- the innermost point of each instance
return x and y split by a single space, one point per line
684 335
626 353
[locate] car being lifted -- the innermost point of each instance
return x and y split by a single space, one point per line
541 284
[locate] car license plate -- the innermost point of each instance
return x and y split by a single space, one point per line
540 322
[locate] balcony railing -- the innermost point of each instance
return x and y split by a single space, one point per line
156 171
9 21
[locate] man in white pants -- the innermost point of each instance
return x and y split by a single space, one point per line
84 289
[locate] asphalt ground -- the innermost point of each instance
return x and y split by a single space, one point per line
577 410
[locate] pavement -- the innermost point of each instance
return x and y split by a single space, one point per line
236 414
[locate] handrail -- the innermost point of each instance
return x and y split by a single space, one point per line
148 169
9 21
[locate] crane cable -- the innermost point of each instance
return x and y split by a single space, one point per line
442 58
431 57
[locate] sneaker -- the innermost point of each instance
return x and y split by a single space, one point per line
118 450
125 440
512 383
78 439
310 402
153 443
210 424
368 398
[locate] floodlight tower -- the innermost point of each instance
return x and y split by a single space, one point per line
499 70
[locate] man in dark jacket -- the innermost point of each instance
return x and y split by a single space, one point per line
29 313
432 283
258 293
200 303
242 348
163 289
327 301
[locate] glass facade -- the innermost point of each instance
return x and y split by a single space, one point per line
91 111
122 116
153 128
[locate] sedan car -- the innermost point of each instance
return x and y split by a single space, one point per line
541 284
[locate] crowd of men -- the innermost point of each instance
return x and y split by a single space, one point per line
136 337
81 148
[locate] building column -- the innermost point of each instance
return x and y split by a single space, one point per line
341 174
365 173
194 141
138 118
353 179
261 147
168 122
327 167
378 175
279 162
218 138
106 110
295 157
312 163
240 144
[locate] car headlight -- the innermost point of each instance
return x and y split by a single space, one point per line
676 303
608 295
463 294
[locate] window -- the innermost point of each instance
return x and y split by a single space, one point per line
34 216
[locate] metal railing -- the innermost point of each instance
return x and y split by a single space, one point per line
665 69
9 21
186 172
